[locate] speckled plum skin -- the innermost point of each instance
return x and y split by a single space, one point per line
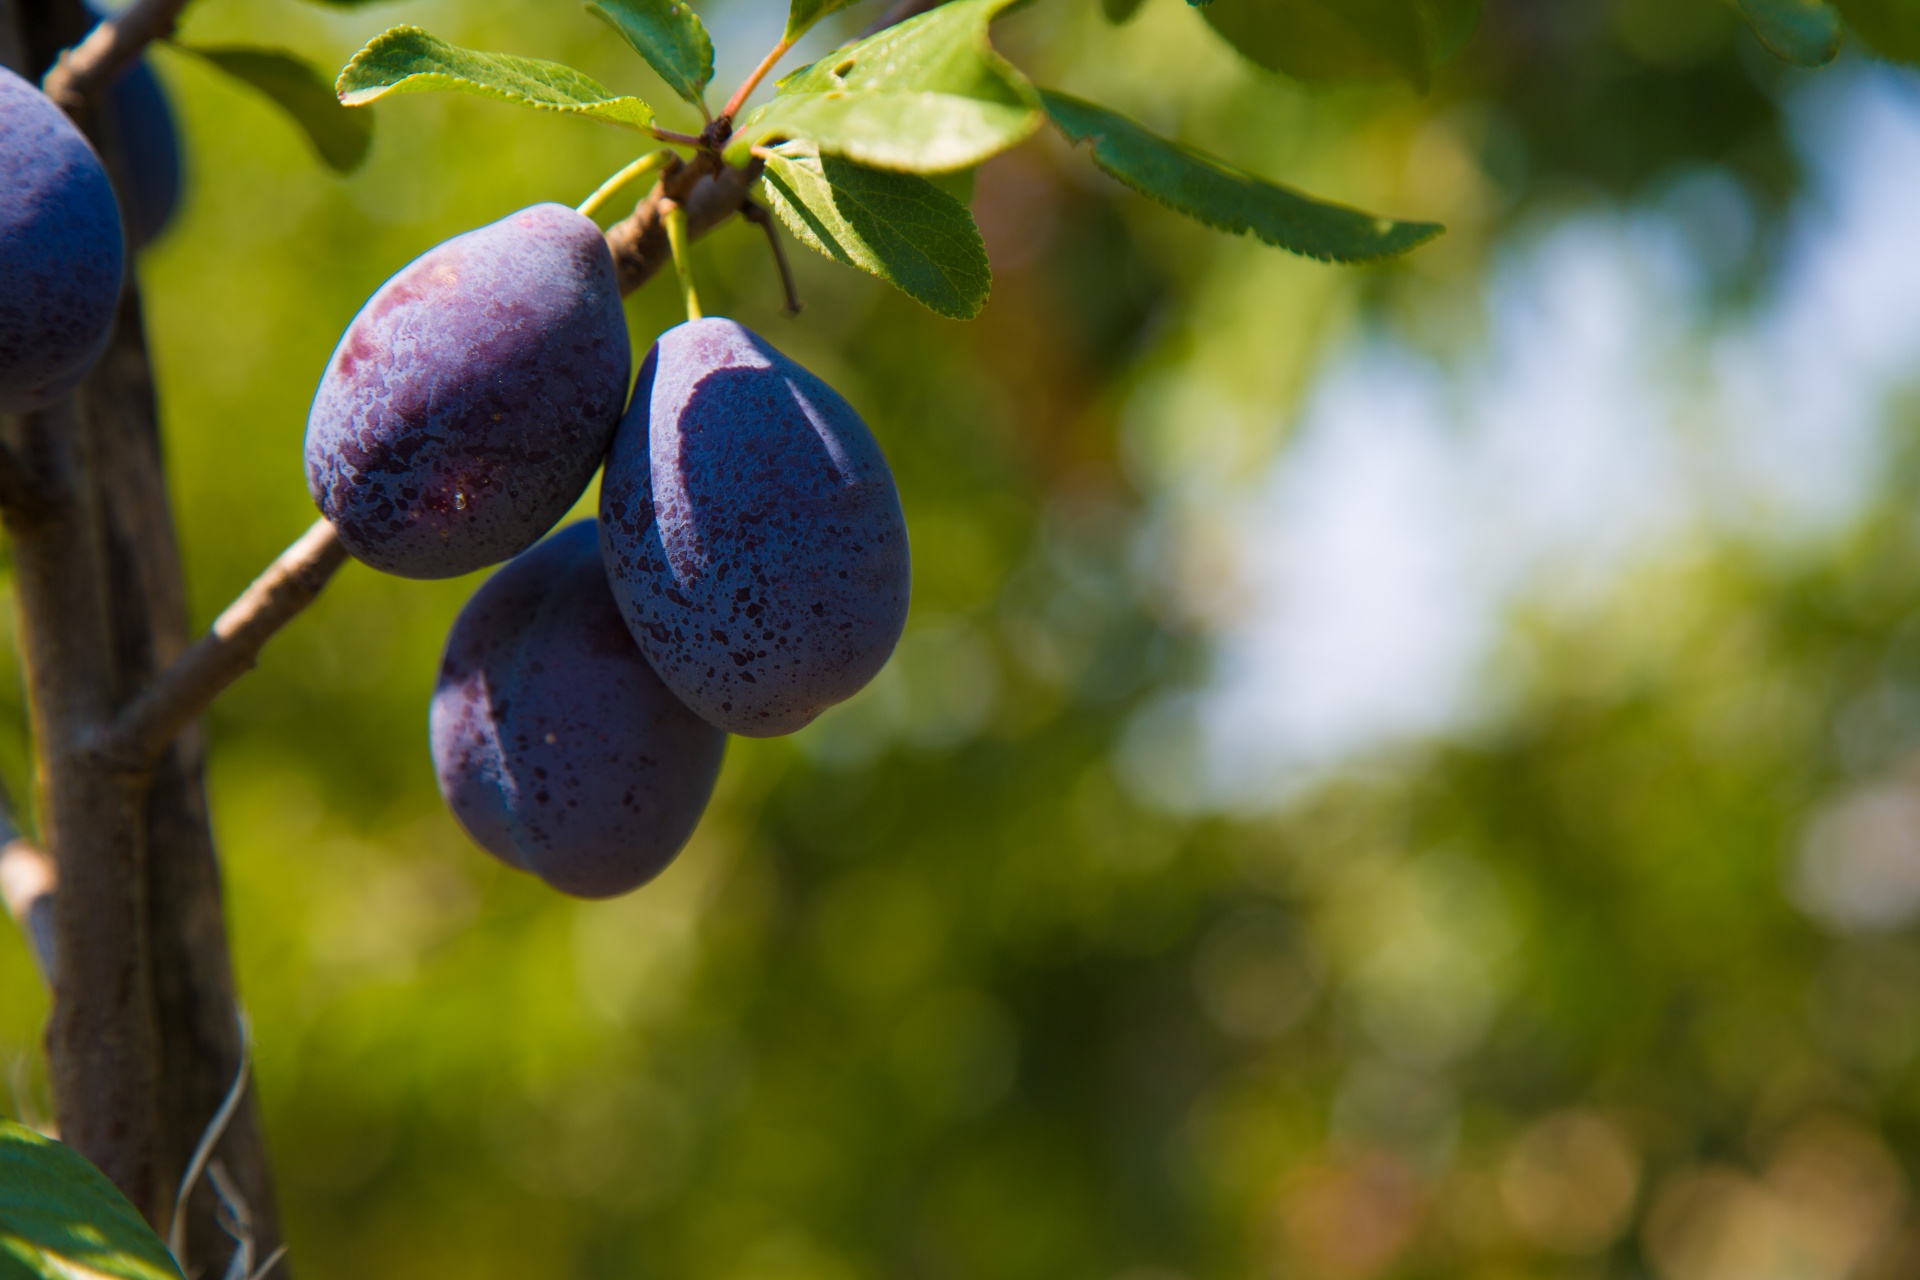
556 746
470 401
752 532
61 254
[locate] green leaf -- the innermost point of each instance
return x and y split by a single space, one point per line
1222 196
1119 11
341 136
408 60
1320 40
802 14
1804 32
60 1219
1892 27
669 35
897 226
924 96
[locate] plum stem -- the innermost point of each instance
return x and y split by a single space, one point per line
137 737
739 99
632 173
676 220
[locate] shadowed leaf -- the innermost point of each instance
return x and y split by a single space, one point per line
1318 40
897 226
340 136
1804 32
1221 196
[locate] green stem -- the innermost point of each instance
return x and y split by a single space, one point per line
676 220
632 173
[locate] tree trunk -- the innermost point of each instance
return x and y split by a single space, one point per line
144 1041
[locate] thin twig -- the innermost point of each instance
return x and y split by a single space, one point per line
90 66
607 190
759 217
144 727
677 138
731 111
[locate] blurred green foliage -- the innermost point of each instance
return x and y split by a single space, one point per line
934 992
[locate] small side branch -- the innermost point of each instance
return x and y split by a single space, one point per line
110 48
144 727
760 218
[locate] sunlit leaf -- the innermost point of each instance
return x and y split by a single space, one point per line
924 96
341 136
1321 40
669 35
408 60
1221 196
897 226
60 1219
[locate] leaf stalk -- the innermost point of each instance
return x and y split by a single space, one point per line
676 220
607 190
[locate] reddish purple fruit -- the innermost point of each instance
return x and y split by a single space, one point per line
470 401
61 252
556 745
752 533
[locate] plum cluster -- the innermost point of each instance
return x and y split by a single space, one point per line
62 243
748 569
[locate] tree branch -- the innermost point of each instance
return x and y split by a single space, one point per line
110 48
135 739
710 192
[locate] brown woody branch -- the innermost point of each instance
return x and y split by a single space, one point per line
110 48
145 726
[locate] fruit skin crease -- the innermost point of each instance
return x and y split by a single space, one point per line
62 257
554 743
471 399
752 532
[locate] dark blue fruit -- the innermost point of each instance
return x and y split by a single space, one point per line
556 745
751 531
61 254
470 401
149 148
150 151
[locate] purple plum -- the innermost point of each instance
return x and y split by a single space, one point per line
752 533
470 401
556 746
61 251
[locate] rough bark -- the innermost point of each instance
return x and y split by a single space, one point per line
144 1040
